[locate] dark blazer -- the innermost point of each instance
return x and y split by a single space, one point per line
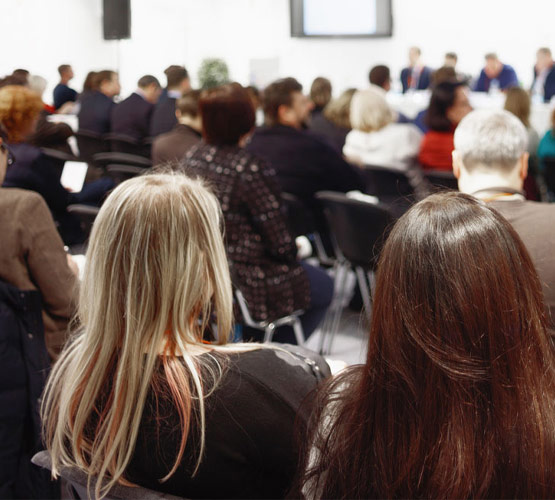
163 116
34 171
172 146
423 80
63 94
304 162
507 79
261 250
95 112
549 84
132 117
24 367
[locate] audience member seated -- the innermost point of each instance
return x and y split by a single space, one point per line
381 76
47 134
163 116
97 105
443 74
496 76
31 169
320 95
139 396
304 163
544 75
262 251
33 256
172 146
455 399
62 92
416 76
22 74
90 83
449 104
376 139
546 148
334 123
491 162
132 116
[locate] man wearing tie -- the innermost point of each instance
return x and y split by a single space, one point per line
416 76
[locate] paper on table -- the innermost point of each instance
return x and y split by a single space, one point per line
73 175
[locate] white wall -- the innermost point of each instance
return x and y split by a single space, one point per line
41 34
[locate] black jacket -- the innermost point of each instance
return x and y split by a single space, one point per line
95 112
163 116
24 367
304 162
132 117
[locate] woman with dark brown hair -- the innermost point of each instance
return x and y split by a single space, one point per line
261 250
457 396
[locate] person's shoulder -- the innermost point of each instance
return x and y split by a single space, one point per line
21 200
25 153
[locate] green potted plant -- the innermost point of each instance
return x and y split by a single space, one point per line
212 73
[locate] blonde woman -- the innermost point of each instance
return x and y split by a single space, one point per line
138 397
376 139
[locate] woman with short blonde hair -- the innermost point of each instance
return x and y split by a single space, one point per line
376 139
138 396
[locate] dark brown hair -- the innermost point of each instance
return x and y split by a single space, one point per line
443 74
320 91
105 75
90 82
379 75
175 75
147 80
62 68
188 104
518 103
443 97
456 399
227 114
278 93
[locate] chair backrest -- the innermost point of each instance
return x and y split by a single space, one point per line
58 158
122 143
299 216
441 179
549 172
87 214
359 227
105 159
90 143
385 182
77 480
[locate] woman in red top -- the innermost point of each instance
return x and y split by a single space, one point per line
449 104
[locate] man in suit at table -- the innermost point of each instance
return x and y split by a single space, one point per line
496 74
172 146
62 92
97 105
544 75
163 117
132 116
416 76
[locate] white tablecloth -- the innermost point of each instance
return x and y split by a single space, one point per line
411 103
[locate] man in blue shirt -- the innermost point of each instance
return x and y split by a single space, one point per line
62 92
544 75
496 75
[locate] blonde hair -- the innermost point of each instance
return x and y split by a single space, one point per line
338 110
369 110
156 270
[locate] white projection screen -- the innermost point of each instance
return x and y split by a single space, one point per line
341 18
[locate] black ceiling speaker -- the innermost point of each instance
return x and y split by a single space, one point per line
117 19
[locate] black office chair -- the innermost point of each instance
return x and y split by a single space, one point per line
90 143
359 229
393 187
77 484
105 159
87 214
441 180
122 143
58 158
121 173
301 223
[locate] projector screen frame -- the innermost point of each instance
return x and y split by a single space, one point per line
296 18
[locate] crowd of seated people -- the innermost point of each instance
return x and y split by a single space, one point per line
147 388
